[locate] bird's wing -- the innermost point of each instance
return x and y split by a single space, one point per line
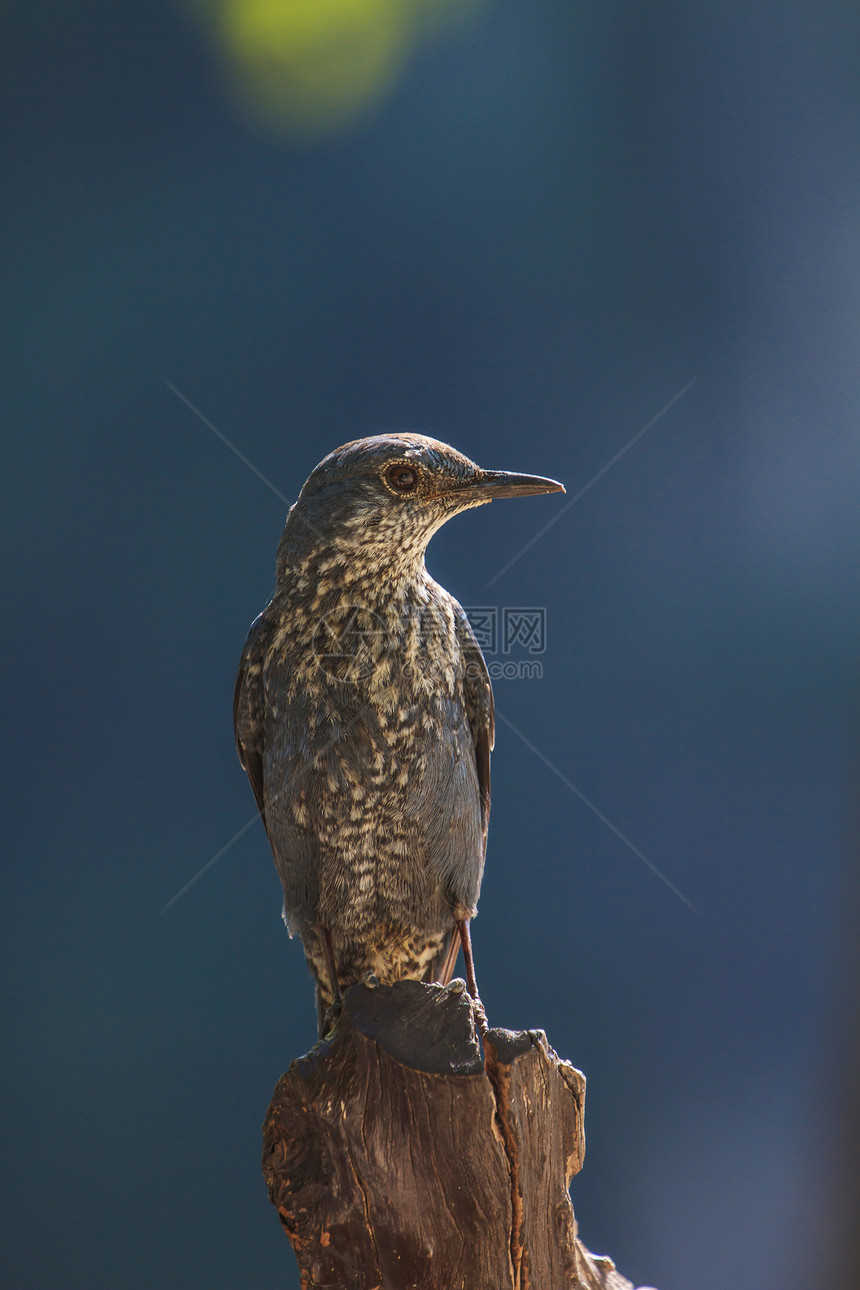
478 693
248 722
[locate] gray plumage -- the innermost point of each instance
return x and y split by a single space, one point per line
363 714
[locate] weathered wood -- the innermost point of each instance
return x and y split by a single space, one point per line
407 1150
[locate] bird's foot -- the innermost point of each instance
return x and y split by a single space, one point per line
459 986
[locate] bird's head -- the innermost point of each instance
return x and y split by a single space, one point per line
381 499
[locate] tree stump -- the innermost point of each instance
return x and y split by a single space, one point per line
408 1150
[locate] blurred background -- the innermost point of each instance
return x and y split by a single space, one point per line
522 227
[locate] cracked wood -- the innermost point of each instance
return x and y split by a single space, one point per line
406 1150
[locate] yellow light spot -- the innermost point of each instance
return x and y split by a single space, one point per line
315 63
314 66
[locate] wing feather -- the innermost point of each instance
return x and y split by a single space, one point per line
480 711
248 716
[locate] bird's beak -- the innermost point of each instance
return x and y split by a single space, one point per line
501 483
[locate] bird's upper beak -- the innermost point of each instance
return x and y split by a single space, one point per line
502 483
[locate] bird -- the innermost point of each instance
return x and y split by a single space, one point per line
363 716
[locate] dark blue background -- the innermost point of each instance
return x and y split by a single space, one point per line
557 216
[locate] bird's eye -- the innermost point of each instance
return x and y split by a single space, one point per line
403 479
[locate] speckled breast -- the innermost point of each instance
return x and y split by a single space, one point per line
371 790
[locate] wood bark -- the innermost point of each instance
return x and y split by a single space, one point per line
407 1149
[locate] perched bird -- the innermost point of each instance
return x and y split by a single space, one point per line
363 714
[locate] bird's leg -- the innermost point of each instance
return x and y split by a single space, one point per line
334 1011
324 936
471 983
466 942
446 970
